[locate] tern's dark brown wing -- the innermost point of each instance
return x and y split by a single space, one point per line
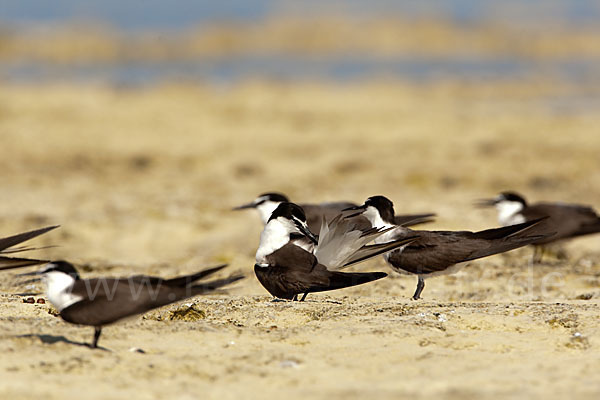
292 271
435 251
10 241
106 300
567 220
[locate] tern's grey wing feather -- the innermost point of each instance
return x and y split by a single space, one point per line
373 250
316 212
338 242
341 245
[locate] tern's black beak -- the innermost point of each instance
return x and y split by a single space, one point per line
34 273
304 229
360 209
486 202
244 206
30 281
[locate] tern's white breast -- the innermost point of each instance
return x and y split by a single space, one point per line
266 209
508 212
275 235
58 289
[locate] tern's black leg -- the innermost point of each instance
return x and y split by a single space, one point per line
420 286
303 297
538 254
542 252
97 332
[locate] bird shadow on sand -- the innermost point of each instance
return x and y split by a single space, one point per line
309 301
51 339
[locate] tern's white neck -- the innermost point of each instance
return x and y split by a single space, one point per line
305 244
265 210
372 214
58 289
275 235
508 212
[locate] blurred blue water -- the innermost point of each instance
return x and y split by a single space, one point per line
289 68
183 14
162 15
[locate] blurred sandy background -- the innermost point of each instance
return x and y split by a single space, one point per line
138 133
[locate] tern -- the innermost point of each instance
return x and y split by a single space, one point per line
437 252
286 270
266 203
567 220
101 301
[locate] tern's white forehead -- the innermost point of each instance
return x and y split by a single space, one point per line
265 208
47 267
260 199
285 225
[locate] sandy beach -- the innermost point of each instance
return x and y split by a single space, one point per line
143 180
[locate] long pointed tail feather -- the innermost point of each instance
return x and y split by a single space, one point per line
10 241
21 249
188 279
416 219
510 244
214 285
7 263
339 280
509 231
